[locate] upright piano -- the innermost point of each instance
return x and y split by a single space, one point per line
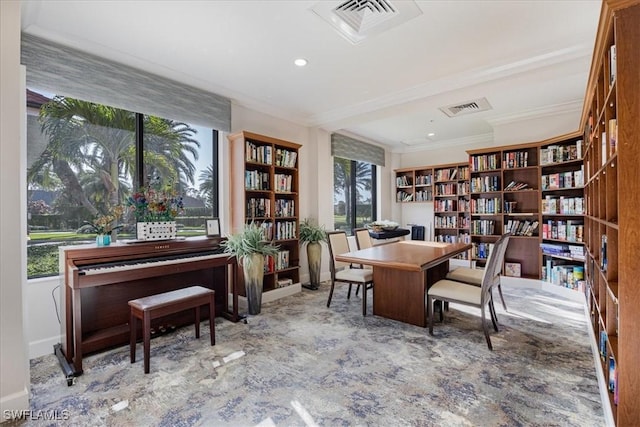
98 282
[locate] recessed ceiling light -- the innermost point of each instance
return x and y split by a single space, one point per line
431 134
300 62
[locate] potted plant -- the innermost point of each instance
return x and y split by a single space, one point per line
104 225
312 235
250 248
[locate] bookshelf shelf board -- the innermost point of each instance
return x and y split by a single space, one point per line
567 258
562 215
576 162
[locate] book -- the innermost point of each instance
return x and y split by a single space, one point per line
613 135
613 67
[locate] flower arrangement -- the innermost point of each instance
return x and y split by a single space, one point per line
150 205
383 225
105 224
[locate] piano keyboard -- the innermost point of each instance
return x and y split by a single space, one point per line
104 268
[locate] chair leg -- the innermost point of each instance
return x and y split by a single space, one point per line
494 317
430 313
333 283
364 299
349 293
485 329
357 289
502 297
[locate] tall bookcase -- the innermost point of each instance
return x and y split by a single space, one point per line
505 197
563 208
611 120
451 220
264 190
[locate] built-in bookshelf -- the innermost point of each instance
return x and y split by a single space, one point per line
414 184
451 219
264 190
562 209
504 184
611 122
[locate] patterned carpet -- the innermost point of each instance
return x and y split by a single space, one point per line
300 363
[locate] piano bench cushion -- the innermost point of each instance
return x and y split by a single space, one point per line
154 306
171 298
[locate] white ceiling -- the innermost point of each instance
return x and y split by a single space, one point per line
528 58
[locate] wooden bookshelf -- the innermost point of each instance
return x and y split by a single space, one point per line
505 197
414 184
562 209
264 190
451 204
611 123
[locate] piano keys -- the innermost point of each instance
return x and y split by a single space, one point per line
98 282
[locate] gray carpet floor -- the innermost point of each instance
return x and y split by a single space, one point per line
300 363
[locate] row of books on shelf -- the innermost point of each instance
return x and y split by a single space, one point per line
567 276
561 153
403 181
448 174
570 231
563 180
285 207
515 159
285 230
464 188
519 227
486 206
561 249
610 137
464 205
403 196
282 182
450 189
257 207
485 227
484 162
563 205
446 221
256 180
424 179
482 184
286 158
612 369
445 205
453 238
603 253
276 262
516 186
423 195
258 153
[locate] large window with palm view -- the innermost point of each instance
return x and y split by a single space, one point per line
87 162
354 194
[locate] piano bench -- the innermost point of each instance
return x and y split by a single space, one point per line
148 308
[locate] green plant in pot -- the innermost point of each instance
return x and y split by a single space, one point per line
312 235
250 248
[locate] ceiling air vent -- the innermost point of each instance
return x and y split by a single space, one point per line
475 106
356 20
363 15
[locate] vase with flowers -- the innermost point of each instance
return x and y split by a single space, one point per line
104 225
155 209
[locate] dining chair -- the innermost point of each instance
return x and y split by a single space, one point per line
363 238
464 293
473 276
343 272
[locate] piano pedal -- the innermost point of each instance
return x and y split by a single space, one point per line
163 329
171 327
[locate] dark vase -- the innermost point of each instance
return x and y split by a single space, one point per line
253 269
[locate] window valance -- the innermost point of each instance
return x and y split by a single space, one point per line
353 149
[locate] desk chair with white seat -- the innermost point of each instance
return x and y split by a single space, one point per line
343 272
472 295
473 276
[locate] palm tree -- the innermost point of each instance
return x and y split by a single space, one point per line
206 189
92 148
342 181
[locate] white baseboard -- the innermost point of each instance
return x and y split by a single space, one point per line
13 403
43 347
272 295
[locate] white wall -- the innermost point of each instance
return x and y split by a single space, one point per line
14 367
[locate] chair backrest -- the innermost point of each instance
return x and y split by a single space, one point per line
363 238
493 268
338 244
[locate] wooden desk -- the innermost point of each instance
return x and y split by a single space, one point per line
402 273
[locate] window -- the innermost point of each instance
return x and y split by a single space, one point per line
354 194
84 159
